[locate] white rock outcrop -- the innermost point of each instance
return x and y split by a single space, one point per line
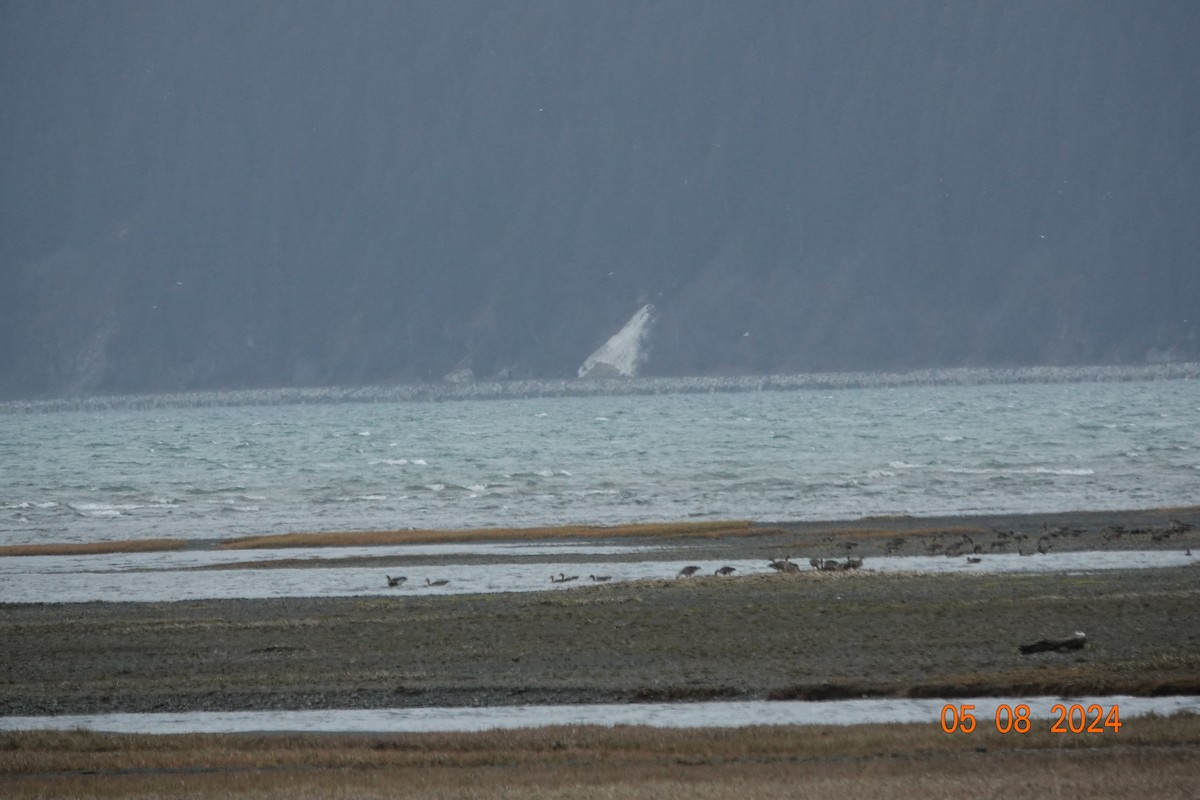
623 354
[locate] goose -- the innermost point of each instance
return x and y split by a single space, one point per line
441 582
600 578
399 579
780 565
785 565
973 559
563 578
687 572
726 570
816 563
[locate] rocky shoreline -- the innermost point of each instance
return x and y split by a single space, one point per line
454 390
805 635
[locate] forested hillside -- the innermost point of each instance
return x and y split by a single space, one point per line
207 194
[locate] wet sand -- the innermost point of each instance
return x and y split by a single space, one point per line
805 635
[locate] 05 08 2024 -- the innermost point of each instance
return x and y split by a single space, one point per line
1074 718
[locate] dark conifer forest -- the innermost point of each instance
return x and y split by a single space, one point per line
208 194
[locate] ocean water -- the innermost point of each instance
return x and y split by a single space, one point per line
205 473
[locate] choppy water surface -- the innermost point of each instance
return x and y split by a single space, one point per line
661 715
224 472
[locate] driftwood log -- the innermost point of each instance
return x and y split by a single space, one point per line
1076 642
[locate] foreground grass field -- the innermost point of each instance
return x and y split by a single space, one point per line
1148 757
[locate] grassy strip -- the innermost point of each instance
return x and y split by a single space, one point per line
360 538
93 548
1148 757
366 538
32 752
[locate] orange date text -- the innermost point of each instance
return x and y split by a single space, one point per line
1064 718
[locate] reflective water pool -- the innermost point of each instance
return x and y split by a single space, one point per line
168 576
664 715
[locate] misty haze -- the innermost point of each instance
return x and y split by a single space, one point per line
207 195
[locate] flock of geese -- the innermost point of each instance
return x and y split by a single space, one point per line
964 546
691 570
785 565
562 577
400 580
565 578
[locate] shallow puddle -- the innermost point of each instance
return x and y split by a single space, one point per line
987 711
168 576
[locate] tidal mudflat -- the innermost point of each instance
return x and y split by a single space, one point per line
810 634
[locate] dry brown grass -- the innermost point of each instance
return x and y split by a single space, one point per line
1148 754
359 538
93 548
366 538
